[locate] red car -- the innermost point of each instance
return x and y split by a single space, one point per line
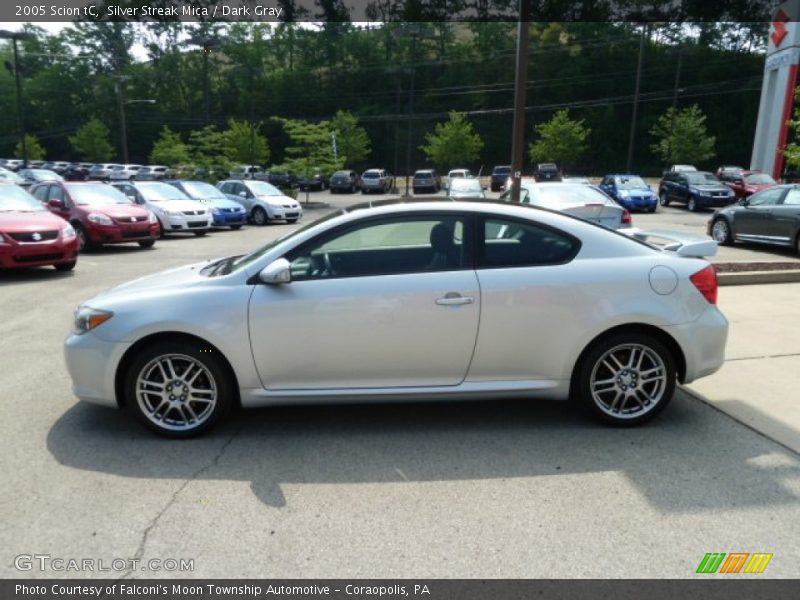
100 213
32 237
746 183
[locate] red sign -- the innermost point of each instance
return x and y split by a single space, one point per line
779 28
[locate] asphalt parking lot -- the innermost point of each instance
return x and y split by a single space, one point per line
503 489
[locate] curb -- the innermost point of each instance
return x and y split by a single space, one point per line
756 277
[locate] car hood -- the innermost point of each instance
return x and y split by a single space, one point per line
178 204
638 191
219 202
118 211
278 200
19 221
709 187
172 278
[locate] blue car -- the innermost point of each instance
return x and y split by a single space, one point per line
226 212
630 191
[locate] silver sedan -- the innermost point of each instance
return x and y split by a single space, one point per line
408 300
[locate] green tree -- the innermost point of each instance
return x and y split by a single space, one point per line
208 151
169 149
792 151
561 140
35 149
453 142
91 142
311 150
352 142
682 137
244 143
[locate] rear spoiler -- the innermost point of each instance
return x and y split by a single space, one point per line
680 242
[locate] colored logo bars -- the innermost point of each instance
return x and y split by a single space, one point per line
734 562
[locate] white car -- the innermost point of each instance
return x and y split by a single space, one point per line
466 187
577 199
263 201
124 172
383 303
174 210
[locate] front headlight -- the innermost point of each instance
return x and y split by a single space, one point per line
87 318
100 219
173 213
275 206
152 218
624 193
67 233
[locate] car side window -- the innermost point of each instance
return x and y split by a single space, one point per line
56 193
766 198
390 246
40 193
792 198
511 243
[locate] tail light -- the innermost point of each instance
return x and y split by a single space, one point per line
626 218
706 283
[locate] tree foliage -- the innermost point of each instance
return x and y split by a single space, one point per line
35 149
244 144
792 150
561 140
208 149
352 141
682 136
453 142
170 150
91 142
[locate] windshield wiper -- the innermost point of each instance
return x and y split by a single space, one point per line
222 266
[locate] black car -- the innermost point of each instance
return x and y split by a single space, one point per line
317 181
282 179
76 172
696 189
345 181
771 216
547 172
500 175
426 180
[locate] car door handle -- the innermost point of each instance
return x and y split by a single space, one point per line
453 299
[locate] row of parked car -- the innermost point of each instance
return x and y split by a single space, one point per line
52 221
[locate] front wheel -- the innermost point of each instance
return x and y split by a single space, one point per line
84 243
66 266
692 204
147 243
626 379
236 227
663 198
178 389
199 233
290 221
721 232
259 216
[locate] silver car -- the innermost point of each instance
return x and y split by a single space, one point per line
577 199
382 303
263 201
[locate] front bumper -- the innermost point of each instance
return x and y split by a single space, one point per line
714 202
123 232
23 254
92 365
232 218
641 202
188 223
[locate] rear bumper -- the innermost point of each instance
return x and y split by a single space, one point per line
702 342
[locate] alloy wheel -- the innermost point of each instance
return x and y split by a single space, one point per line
721 232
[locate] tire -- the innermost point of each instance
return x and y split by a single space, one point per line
66 266
260 216
188 375
663 198
84 243
291 221
797 243
692 204
353 189
721 232
199 233
606 380
147 243
236 227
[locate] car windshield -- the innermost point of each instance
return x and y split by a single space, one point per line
341 174
13 198
501 171
371 175
465 185
555 194
160 192
700 177
202 190
423 175
96 195
11 177
262 188
44 175
631 183
759 179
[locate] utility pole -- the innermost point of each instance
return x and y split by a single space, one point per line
16 36
520 93
207 43
636 99
123 128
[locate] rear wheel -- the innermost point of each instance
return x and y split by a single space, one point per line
692 204
66 266
178 389
199 233
236 227
84 243
147 243
626 379
663 198
259 216
721 232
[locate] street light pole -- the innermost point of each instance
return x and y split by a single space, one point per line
520 89
636 100
207 43
16 36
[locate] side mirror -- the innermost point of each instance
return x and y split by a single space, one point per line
277 272
242 194
745 201
55 203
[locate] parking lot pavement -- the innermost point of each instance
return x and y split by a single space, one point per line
506 489
760 382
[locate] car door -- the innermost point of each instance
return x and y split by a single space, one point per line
783 220
531 316
386 302
58 202
752 221
680 188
